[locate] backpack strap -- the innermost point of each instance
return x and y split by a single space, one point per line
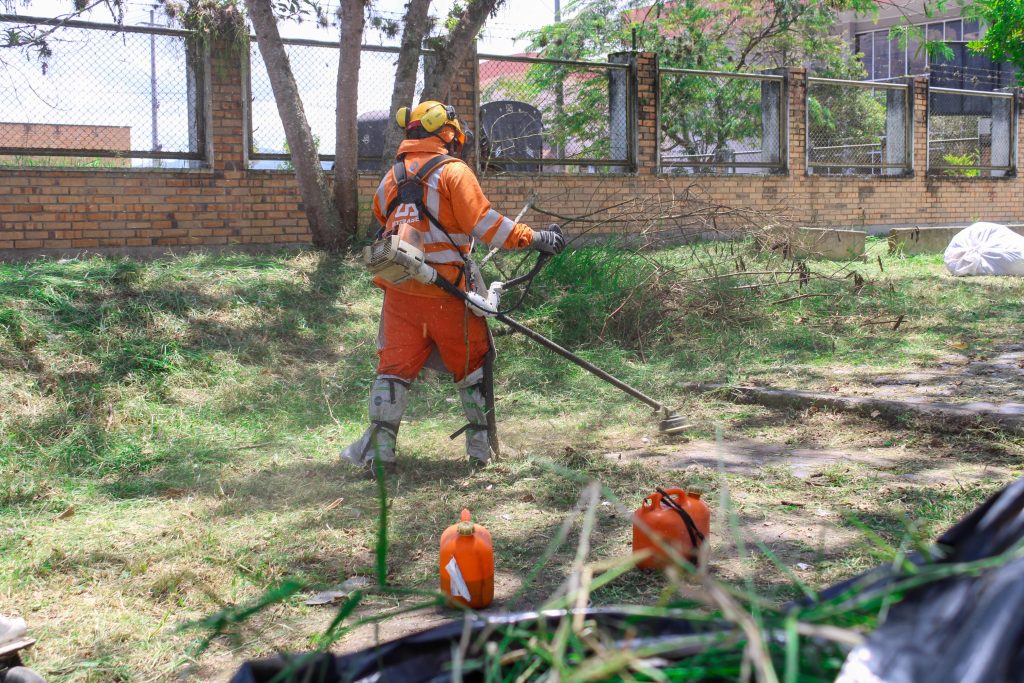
410 191
398 170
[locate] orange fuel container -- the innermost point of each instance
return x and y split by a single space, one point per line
660 518
467 563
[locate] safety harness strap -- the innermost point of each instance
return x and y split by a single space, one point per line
391 427
470 426
402 180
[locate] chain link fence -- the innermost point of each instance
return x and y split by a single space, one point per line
100 96
548 115
858 127
721 123
315 66
971 133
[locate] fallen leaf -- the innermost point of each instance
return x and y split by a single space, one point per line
803 566
333 504
958 345
875 413
67 514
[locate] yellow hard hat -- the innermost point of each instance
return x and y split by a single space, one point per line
431 116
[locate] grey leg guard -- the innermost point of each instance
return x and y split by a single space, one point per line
388 398
474 405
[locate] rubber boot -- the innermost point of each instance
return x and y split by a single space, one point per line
478 447
388 398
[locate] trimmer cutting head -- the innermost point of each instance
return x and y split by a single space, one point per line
673 424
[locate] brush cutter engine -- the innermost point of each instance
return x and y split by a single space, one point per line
398 257
396 260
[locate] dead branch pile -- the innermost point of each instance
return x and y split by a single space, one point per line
728 267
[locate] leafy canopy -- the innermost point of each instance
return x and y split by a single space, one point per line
1004 40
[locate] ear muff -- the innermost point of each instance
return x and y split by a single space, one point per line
402 117
437 116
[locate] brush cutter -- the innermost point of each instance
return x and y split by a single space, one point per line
399 257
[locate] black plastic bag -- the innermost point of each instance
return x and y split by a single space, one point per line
426 657
964 629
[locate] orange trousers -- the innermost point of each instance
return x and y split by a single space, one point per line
411 326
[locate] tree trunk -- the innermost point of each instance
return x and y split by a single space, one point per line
313 186
346 148
453 49
416 26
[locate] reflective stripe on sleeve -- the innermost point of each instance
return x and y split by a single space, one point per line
486 223
501 232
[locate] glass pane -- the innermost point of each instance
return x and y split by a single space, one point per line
971 29
916 55
881 66
897 58
864 47
935 31
954 30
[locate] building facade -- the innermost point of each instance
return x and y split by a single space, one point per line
886 57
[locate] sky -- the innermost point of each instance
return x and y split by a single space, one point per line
100 78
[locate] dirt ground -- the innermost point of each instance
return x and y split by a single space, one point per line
993 375
790 487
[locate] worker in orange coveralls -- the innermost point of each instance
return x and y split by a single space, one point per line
431 190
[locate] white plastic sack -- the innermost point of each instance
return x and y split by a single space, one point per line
986 249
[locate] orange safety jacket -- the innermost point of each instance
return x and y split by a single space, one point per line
451 194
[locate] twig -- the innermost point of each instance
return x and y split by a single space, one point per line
249 446
799 296
585 218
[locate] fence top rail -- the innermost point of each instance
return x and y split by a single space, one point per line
975 93
547 60
333 44
859 84
726 74
75 23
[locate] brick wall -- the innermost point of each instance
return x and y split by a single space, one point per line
68 210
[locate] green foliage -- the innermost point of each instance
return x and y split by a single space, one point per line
22 161
968 159
210 19
700 115
1004 39
578 290
845 115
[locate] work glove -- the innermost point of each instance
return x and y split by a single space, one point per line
549 241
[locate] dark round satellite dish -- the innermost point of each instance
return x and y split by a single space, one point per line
511 130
